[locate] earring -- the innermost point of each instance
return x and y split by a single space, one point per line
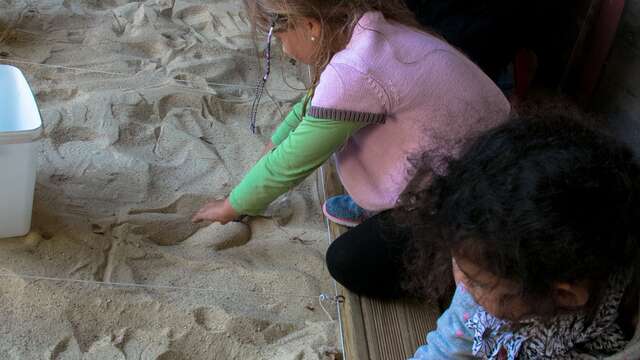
313 38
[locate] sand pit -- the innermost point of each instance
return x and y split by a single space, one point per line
132 146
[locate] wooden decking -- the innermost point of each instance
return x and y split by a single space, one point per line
374 329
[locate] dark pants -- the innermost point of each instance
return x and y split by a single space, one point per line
368 258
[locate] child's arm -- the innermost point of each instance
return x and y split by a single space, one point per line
304 142
290 123
451 339
307 147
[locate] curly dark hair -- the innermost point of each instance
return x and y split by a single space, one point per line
536 201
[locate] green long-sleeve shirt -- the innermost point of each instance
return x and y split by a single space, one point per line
303 143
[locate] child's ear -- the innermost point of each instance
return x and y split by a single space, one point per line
570 295
313 26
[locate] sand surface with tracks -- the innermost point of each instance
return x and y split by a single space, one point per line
144 107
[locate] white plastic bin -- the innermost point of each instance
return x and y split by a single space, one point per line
20 129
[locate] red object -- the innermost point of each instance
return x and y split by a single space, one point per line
525 65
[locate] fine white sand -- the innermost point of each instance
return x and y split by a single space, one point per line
129 153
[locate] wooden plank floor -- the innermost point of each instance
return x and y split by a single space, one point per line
374 329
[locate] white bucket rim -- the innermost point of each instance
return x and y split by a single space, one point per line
20 137
22 134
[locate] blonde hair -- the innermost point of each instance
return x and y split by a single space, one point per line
338 18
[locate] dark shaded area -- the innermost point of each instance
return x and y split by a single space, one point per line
626 127
618 93
491 32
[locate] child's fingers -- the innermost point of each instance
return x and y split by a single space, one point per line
198 217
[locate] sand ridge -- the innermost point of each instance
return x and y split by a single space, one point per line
130 150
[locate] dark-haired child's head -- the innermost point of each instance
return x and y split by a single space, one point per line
537 213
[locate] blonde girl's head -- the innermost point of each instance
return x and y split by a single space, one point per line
312 31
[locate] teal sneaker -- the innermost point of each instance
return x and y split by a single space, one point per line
343 210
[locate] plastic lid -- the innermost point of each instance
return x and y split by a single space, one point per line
20 119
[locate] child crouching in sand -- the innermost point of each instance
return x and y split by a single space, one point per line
383 90
539 222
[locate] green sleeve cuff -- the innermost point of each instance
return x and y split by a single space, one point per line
236 205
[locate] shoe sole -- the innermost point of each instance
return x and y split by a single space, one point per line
337 220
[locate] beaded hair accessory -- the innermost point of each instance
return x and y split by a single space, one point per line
275 21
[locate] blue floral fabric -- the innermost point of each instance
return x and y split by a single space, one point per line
452 339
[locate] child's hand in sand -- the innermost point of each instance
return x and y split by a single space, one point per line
216 211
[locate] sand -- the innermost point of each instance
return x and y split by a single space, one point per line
130 150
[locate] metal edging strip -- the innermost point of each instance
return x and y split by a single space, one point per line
335 285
